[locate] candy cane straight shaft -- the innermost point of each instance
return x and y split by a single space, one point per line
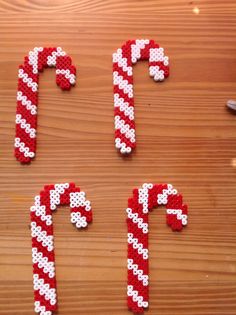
123 59
43 256
143 201
27 94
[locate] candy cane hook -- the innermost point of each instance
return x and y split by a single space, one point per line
123 59
143 201
43 256
27 94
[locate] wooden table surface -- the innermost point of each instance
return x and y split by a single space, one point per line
185 136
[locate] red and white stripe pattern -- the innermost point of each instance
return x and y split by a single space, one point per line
43 256
123 59
143 201
27 94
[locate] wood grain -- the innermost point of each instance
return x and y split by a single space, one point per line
185 136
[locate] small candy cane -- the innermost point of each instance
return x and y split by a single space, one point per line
123 59
143 201
27 94
43 256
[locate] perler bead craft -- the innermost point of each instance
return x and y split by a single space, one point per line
123 59
27 94
143 201
43 256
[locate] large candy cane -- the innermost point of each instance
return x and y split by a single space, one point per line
143 201
42 238
123 59
27 94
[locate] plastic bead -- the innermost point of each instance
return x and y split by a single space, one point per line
143 201
123 59
27 94
43 257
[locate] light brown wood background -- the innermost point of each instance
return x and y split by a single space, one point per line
185 136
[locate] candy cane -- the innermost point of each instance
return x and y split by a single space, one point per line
145 199
27 94
123 59
42 238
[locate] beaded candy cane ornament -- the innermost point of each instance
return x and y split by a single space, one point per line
43 256
123 59
143 201
27 94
